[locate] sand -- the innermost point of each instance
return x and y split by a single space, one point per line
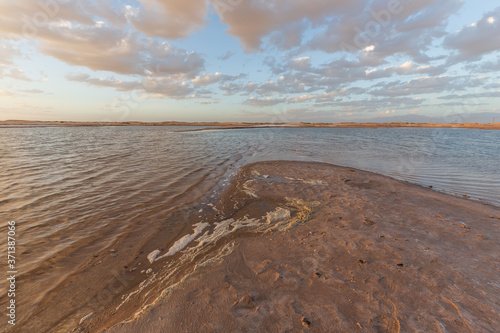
357 252
302 247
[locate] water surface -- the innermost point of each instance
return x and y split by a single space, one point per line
74 187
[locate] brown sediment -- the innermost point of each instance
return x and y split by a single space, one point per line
293 246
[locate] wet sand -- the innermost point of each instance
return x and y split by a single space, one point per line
295 247
332 249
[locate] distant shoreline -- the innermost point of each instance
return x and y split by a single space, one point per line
236 125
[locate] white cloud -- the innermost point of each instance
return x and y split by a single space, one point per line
32 91
171 19
301 64
16 73
208 79
421 85
369 48
476 40
154 86
362 44
94 34
8 51
386 30
252 20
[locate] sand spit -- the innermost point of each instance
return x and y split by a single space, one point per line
354 252
300 247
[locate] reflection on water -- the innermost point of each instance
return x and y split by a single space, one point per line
74 187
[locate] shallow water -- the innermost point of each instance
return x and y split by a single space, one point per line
73 187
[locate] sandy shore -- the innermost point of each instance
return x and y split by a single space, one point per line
335 249
296 247
236 125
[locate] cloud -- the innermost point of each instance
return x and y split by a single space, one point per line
8 51
325 97
491 94
478 38
485 66
252 20
121 52
422 85
227 55
318 53
235 88
261 102
301 64
98 48
32 91
375 104
387 28
339 77
170 19
160 87
95 35
17 73
208 79
276 66
109 82
288 37
165 60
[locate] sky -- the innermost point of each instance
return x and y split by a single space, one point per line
247 60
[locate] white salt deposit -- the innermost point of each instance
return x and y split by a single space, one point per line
279 219
277 215
307 181
86 317
248 190
184 241
152 256
224 228
314 182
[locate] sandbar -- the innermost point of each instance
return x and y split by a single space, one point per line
312 247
